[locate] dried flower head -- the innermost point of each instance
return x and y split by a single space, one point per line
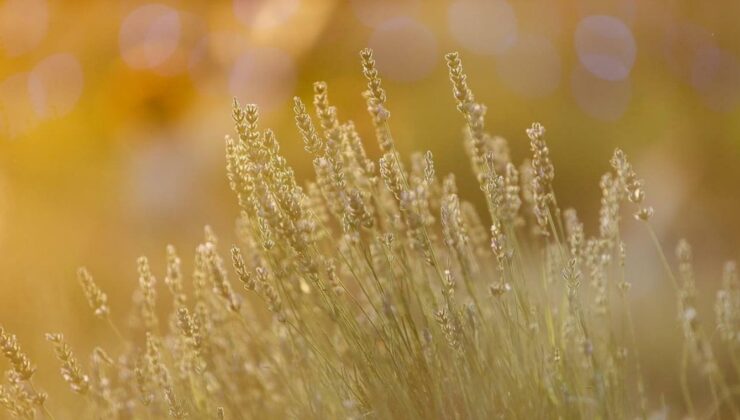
544 173
147 283
311 138
12 351
96 298
71 372
173 278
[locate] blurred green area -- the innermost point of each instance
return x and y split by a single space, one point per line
112 119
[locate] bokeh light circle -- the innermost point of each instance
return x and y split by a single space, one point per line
531 68
211 61
682 45
265 14
263 76
715 74
23 25
193 29
692 54
601 99
605 47
149 35
483 26
376 12
55 85
405 50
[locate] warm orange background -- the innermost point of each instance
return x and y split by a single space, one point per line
112 117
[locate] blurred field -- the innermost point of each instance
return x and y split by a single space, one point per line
112 117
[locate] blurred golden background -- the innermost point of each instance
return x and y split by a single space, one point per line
112 117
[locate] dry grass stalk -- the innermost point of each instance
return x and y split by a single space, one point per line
378 291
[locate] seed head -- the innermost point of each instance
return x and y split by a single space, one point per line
18 360
377 94
543 172
96 298
71 372
147 283
173 279
460 89
311 138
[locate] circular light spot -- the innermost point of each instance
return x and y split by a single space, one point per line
531 67
601 99
263 76
405 50
683 42
264 14
716 75
149 35
23 25
605 47
55 85
376 12
192 30
484 27
16 111
211 61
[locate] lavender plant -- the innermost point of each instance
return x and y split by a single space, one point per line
376 291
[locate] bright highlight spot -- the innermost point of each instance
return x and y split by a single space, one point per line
683 43
192 29
483 27
692 54
605 47
405 50
263 76
264 14
716 76
211 61
601 99
55 85
23 25
531 68
149 36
